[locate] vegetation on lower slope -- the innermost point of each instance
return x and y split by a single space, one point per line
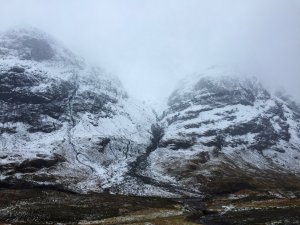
245 207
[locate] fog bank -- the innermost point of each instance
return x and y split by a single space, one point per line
152 44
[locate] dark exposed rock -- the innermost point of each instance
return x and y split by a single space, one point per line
157 133
17 69
33 165
177 144
45 128
9 130
103 143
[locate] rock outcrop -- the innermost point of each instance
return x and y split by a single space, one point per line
225 131
64 123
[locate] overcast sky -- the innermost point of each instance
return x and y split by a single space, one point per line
152 44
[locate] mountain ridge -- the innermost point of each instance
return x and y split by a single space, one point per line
68 125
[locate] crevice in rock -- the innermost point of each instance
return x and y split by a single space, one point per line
71 126
136 168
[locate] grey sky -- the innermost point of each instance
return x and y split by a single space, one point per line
152 44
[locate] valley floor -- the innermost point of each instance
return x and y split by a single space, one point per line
37 206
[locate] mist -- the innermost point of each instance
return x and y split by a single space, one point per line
150 45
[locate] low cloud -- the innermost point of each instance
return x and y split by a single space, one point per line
152 44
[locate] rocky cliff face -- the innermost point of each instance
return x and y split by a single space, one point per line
68 125
225 131
64 123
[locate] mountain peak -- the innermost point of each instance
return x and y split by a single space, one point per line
218 86
21 31
226 76
30 43
27 44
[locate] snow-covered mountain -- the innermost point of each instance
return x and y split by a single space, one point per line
63 122
223 130
68 125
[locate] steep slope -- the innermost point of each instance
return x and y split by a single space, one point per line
223 132
64 123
